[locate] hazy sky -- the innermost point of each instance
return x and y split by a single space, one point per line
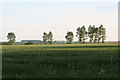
29 19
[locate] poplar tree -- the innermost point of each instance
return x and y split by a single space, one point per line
102 34
81 34
50 37
45 38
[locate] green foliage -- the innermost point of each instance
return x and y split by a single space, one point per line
4 43
81 34
96 34
102 33
29 43
69 37
11 37
47 38
60 61
50 37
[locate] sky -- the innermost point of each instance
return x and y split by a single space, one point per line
29 19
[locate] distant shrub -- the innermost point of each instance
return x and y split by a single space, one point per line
29 43
5 43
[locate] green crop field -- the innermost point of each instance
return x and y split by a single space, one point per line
60 61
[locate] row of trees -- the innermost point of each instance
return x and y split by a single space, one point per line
94 34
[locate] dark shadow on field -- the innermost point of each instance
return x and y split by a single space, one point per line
82 47
60 64
37 63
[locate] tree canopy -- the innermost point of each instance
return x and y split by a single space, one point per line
11 37
47 38
69 37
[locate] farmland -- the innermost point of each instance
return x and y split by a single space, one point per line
98 60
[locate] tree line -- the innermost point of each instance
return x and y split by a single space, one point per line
94 34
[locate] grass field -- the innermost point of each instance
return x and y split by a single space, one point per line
60 61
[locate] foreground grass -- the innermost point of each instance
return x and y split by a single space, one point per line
61 61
